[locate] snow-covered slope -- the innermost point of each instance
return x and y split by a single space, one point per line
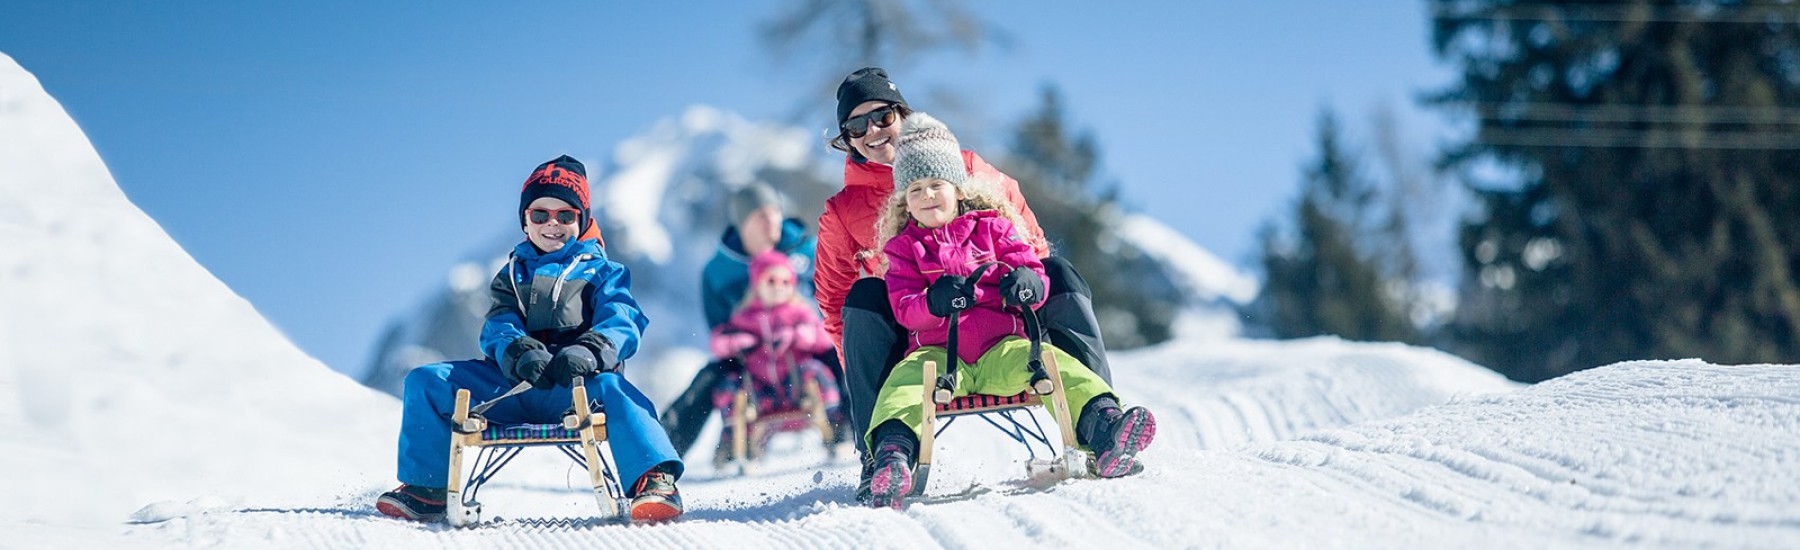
1666 454
1209 395
128 373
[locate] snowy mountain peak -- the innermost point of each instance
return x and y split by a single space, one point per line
733 151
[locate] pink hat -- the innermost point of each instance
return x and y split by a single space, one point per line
762 263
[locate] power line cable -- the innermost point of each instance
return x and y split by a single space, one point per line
1537 11
1646 139
1622 113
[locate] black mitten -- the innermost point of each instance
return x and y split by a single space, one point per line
525 360
569 363
949 294
1021 287
606 357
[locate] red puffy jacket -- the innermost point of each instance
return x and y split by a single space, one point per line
847 249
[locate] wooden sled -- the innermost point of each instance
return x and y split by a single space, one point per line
1063 463
579 437
749 428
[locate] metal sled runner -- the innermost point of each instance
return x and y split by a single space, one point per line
579 436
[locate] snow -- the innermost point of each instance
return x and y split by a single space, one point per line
130 374
1204 275
143 404
634 196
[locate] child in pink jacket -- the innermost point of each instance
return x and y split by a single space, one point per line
777 335
940 226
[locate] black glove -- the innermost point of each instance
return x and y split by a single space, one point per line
525 360
606 357
1021 287
570 362
949 294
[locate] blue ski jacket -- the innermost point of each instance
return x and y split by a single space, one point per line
727 275
556 297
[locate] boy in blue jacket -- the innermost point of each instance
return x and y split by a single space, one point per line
561 309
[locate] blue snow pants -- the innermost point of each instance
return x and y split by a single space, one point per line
429 399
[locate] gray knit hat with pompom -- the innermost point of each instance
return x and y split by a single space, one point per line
926 149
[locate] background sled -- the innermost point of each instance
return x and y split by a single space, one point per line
579 436
749 428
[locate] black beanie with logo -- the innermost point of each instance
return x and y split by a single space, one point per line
562 178
865 85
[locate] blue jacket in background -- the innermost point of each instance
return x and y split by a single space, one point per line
727 275
555 297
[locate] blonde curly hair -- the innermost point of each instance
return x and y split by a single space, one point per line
980 192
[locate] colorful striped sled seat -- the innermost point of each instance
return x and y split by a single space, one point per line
978 403
529 433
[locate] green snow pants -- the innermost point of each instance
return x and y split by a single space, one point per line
999 371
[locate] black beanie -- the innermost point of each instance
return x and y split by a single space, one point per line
563 178
865 85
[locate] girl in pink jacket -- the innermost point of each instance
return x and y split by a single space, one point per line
776 335
940 226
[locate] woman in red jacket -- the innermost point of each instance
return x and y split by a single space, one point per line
847 269
943 230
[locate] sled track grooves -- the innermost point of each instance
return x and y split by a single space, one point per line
1614 461
329 529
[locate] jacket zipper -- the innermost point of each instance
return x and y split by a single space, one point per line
556 290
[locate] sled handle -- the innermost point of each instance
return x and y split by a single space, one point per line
485 405
946 382
1034 331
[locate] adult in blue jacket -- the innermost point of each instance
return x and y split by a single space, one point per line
758 226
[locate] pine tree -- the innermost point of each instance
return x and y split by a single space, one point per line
1329 277
1056 168
1651 208
834 37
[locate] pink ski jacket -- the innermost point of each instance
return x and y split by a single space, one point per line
771 339
918 256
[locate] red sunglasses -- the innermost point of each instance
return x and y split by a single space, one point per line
540 216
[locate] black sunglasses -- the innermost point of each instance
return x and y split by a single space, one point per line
858 126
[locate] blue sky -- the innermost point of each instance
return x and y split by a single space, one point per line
329 160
